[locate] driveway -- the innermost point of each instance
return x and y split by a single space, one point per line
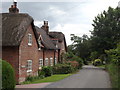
88 77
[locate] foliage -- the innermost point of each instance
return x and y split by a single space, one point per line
47 71
94 55
41 73
106 33
32 78
62 69
114 55
97 62
74 64
114 75
81 46
71 57
8 76
113 65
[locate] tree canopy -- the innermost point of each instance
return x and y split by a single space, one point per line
104 36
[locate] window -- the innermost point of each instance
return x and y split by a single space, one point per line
40 62
30 39
55 61
51 61
29 65
39 42
46 61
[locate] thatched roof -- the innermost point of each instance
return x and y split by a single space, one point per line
60 36
57 35
46 41
14 27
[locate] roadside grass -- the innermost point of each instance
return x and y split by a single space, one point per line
114 75
52 78
101 66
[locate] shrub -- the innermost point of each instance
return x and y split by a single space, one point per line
29 78
41 74
47 71
8 75
74 64
97 62
62 69
32 78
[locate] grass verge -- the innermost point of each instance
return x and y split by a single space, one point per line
114 75
101 66
52 78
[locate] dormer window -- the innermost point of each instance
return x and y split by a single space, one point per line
29 39
39 42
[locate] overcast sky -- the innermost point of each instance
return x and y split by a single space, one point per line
67 17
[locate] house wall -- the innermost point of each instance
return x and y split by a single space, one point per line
11 55
49 54
62 46
27 52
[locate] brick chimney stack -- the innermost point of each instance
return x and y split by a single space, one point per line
13 8
45 27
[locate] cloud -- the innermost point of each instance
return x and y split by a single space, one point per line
67 17
38 23
77 29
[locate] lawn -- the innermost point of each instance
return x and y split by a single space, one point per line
52 78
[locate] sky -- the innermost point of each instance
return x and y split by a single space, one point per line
70 17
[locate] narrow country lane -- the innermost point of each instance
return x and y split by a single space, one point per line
88 77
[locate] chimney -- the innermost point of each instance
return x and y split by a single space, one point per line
13 8
45 27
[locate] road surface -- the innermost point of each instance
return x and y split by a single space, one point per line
88 77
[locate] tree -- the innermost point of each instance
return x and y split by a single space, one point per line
81 46
106 33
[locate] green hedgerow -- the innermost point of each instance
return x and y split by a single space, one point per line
8 76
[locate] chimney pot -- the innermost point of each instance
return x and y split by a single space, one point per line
46 27
14 8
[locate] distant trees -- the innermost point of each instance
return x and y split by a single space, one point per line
105 36
80 46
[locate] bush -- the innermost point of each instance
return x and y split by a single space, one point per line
8 75
47 71
32 78
97 62
41 74
71 57
29 78
62 69
114 75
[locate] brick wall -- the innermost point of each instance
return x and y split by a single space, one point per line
10 54
50 54
27 52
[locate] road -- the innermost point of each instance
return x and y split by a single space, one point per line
88 77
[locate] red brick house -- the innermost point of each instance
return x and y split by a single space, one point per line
49 50
59 39
27 47
19 44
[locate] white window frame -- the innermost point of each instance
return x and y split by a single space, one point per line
51 61
55 61
30 39
40 62
46 61
29 65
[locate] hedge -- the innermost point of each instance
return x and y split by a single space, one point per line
8 76
62 69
